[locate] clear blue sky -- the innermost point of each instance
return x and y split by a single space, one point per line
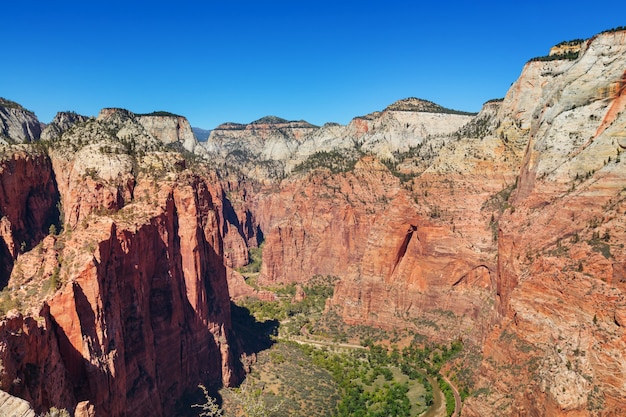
215 61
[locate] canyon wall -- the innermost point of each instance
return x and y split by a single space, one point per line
508 234
29 202
271 147
17 125
128 308
559 347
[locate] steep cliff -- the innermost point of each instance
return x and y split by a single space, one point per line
62 121
507 233
136 308
170 128
29 202
15 407
505 229
398 266
271 147
559 349
17 125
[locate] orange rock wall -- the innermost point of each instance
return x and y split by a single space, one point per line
397 266
29 197
144 312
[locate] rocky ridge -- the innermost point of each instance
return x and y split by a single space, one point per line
560 245
507 233
272 147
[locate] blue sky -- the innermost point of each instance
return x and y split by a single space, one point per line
215 61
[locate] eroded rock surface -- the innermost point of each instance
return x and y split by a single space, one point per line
17 125
136 307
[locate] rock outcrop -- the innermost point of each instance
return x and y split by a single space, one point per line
398 266
272 147
170 128
167 128
29 202
136 307
559 349
14 407
511 226
17 125
62 121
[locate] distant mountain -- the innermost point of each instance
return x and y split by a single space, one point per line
201 134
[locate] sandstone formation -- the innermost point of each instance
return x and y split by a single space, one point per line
14 407
29 202
62 121
417 253
136 308
560 246
169 128
507 233
272 147
17 125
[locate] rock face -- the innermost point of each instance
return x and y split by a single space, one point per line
560 266
33 367
17 125
281 145
29 196
512 227
61 122
150 309
142 310
165 127
14 407
397 265
170 129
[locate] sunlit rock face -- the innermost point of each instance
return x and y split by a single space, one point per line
272 147
512 226
559 348
129 307
17 125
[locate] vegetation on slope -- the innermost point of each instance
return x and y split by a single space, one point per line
13 105
336 161
159 113
569 55
319 366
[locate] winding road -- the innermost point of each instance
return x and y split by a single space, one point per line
457 397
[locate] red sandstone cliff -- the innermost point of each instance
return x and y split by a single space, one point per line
398 266
142 313
29 198
559 348
515 230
